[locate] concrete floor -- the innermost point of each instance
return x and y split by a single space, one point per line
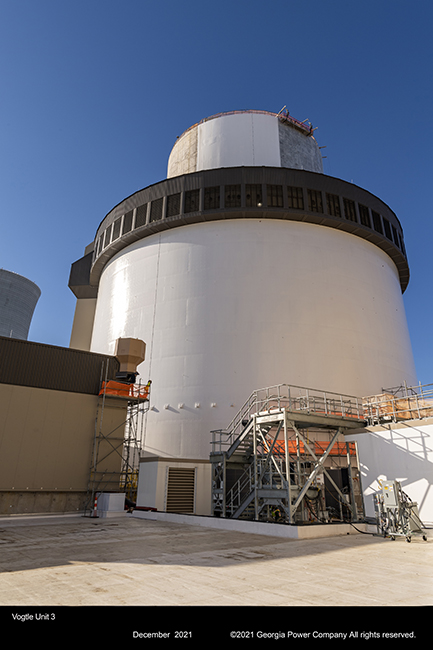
125 561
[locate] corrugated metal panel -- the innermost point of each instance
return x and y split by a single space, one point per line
25 363
79 278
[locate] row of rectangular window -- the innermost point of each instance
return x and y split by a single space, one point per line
376 222
253 198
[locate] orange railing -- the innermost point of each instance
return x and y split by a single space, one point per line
119 389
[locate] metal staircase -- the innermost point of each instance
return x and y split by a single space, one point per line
264 465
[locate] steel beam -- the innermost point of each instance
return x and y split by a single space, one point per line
317 469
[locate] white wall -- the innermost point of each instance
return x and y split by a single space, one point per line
152 484
150 492
229 307
241 139
402 452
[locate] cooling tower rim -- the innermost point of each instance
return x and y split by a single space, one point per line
21 278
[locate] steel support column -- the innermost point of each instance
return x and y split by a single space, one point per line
319 466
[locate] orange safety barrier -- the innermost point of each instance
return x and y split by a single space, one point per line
279 447
119 389
339 448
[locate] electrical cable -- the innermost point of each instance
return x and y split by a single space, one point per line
363 532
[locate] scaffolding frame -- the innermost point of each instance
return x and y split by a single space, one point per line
399 404
278 469
127 446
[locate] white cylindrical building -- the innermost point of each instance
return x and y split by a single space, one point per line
18 299
245 268
247 138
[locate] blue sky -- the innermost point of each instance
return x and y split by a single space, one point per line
93 95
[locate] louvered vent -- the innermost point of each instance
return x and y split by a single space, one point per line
180 489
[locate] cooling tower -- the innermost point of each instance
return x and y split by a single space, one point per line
245 268
18 299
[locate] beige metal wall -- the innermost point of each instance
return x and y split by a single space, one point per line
46 441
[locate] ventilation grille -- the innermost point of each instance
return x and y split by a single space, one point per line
180 489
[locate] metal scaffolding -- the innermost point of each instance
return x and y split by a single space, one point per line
277 459
116 453
399 404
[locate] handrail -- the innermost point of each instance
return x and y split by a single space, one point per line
415 402
241 489
293 399
286 117
387 406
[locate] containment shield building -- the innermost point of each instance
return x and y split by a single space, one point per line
246 267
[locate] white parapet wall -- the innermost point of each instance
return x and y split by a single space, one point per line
256 527
398 451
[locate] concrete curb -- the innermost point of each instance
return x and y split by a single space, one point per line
256 527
